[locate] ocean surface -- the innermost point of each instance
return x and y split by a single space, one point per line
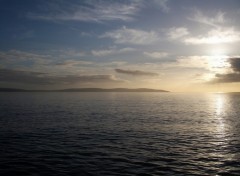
100 134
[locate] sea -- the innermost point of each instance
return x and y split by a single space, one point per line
119 134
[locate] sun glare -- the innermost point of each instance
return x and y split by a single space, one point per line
219 63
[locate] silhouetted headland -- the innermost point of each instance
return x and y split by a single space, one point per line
85 90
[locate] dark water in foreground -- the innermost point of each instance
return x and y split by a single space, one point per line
119 134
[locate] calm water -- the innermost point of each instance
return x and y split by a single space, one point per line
119 134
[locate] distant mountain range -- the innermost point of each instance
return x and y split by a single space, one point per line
85 90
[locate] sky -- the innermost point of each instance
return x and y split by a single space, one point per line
179 46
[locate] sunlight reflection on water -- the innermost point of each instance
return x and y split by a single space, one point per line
221 131
220 109
219 104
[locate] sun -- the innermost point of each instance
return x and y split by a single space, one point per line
218 62
218 59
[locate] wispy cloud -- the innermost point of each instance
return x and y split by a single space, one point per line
135 72
18 58
72 63
132 36
70 53
156 55
214 21
95 11
66 56
18 55
177 32
163 4
58 62
215 36
111 51
216 30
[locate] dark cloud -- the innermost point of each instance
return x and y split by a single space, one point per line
135 72
235 64
38 78
7 75
229 77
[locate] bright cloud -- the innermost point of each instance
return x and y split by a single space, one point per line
215 36
132 36
156 55
211 63
175 33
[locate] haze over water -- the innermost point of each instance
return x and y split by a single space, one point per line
119 134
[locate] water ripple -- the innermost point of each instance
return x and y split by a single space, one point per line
119 134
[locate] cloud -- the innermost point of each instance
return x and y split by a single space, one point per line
95 11
38 78
73 63
22 59
131 36
162 4
235 64
7 75
70 53
156 55
135 72
219 33
218 64
112 51
231 76
176 33
226 78
13 58
214 21
215 36
214 69
16 55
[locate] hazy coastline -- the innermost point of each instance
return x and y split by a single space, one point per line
85 90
